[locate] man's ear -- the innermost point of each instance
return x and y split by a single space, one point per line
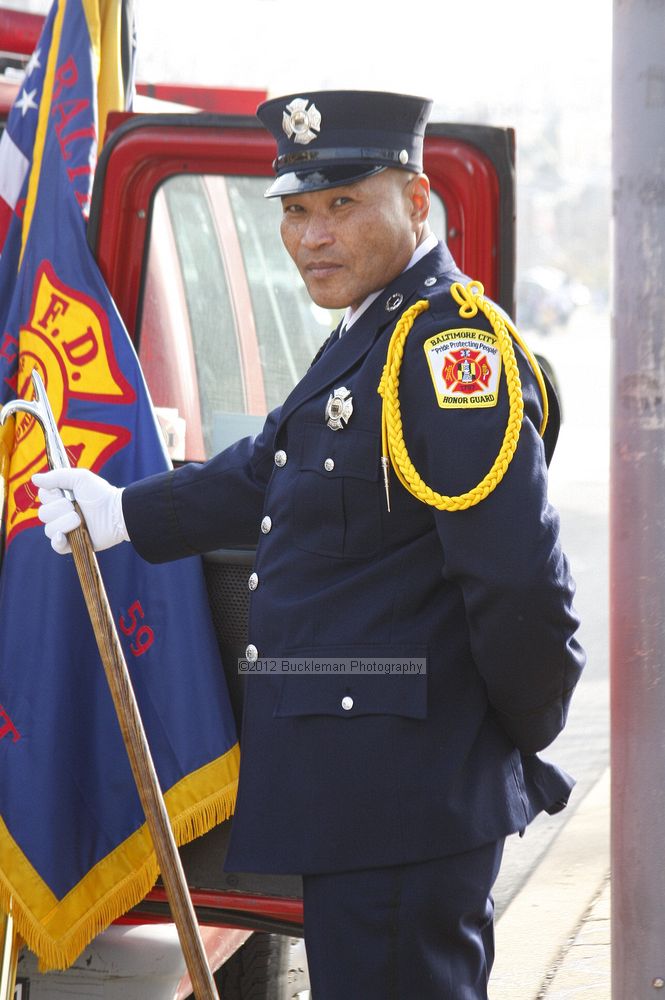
418 193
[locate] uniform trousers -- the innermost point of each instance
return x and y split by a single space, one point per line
422 931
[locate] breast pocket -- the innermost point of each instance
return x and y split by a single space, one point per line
337 497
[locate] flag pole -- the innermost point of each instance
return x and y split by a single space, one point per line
9 945
126 706
9 940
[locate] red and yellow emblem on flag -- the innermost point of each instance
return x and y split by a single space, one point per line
67 339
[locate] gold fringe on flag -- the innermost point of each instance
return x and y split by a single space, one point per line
58 930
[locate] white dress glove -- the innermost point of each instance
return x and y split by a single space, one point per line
100 503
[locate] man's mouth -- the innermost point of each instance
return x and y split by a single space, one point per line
321 268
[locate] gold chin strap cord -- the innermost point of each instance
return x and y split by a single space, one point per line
470 299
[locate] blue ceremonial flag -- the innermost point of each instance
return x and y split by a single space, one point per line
75 852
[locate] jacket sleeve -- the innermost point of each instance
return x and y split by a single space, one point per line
503 553
200 507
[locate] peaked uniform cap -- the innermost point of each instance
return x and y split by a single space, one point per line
330 137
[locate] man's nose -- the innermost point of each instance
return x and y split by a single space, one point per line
318 232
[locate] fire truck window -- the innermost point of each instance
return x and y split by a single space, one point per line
437 216
187 345
227 327
290 327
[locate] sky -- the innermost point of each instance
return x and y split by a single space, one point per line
460 54
477 53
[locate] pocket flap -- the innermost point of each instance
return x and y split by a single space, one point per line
353 452
364 685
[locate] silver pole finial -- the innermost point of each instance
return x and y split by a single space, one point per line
40 409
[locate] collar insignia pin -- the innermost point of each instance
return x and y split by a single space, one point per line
339 408
301 123
394 301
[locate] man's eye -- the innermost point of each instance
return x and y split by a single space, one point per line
342 200
292 209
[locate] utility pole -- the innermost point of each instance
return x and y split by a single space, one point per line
637 508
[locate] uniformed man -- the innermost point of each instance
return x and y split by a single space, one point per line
431 544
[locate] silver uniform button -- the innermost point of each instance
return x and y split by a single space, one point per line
429 282
347 703
251 653
280 459
329 464
266 524
253 581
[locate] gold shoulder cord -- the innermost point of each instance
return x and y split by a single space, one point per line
470 299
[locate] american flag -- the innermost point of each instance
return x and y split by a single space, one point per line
18 139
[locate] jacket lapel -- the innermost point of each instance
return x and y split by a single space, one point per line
341 354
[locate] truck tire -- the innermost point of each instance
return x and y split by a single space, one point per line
267 967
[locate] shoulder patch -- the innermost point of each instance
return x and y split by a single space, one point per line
465 366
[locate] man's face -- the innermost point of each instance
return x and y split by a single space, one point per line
351 240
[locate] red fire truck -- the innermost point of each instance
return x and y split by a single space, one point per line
223 327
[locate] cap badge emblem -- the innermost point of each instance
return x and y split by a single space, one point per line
339 408
301 123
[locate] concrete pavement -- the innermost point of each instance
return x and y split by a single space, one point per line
553 940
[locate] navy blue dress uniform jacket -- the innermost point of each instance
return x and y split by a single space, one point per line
420 766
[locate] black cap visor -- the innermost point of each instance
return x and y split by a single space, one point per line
320 178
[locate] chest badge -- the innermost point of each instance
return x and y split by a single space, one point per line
339 408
